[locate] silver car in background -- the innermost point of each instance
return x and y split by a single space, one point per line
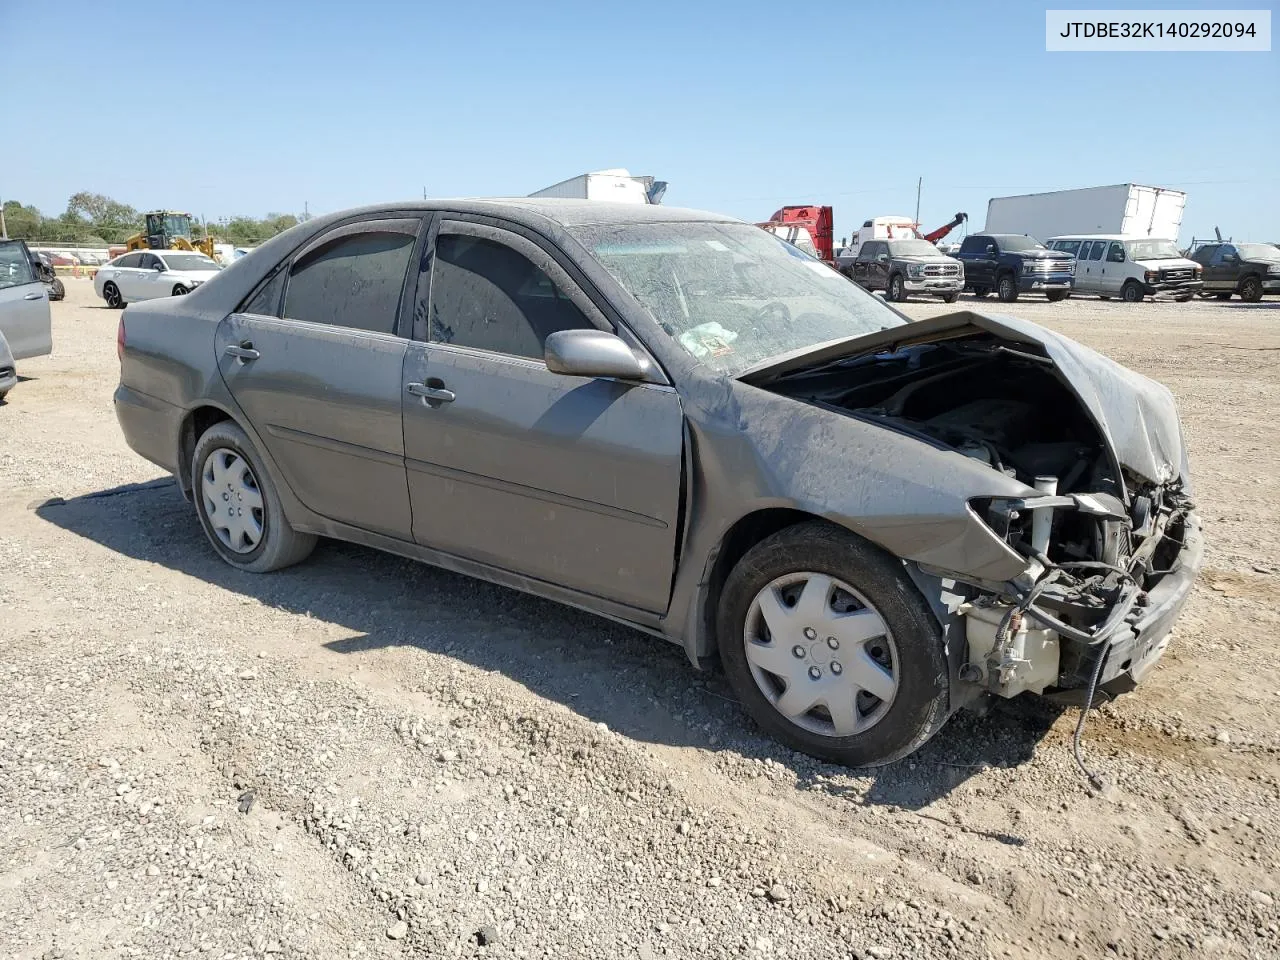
677 421
147 274
25 319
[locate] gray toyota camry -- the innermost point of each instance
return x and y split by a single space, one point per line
675 420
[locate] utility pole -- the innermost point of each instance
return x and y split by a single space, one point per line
306 213
919 184
424 193
4 232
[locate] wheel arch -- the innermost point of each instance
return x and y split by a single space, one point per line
194 423
700 638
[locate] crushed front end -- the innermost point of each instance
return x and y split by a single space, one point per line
1104 530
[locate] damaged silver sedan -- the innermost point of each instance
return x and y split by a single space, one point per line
677 421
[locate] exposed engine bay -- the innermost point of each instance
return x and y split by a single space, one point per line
1096 536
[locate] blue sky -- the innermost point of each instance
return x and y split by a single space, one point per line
243 108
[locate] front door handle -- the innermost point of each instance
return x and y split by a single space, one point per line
432 394
244 351
34 296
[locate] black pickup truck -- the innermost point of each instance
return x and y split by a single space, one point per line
1010 264
1247 269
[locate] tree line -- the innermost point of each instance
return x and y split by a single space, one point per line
92 219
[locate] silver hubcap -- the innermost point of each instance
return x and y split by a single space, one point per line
821 654
232 500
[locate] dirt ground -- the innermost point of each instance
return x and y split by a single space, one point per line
361 756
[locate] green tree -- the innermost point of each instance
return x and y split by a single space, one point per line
22 222
108 218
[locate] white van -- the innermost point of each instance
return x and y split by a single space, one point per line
1130 268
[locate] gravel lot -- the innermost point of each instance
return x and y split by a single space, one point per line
364 757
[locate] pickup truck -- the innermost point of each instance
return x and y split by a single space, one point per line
1011 264
1247 269
903 267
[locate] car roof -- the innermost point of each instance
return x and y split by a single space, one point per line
564 211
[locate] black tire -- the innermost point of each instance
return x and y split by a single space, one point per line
897 289
56 290
951 298
280 545
1007 288
1222 296
1132 293
1250 289
981 292
179 290
1103 297
1053 296
111 294
921 703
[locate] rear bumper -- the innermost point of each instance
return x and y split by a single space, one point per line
150 426
1138 643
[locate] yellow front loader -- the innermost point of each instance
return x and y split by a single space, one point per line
169 230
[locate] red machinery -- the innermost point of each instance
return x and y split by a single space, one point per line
942 231
816 220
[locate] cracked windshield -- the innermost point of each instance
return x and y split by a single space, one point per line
731 294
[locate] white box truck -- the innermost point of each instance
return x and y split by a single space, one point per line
1129 209
616 185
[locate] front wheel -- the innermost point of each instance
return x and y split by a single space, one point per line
238 506
1132 293
111 294
1054 296
56 290
951 298
1251 290
1007 289
831 649
179 290
897 289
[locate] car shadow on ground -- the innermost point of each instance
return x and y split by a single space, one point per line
640 686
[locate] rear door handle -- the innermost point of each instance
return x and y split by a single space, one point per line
244 351
34 296
435 394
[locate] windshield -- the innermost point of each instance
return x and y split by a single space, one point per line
189 261
732 294
1152 250
1020 243
913 248
1258 251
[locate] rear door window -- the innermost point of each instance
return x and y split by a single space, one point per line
488 296
129 260
1095 250
15 265
355 281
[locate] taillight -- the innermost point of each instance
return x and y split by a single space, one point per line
120 339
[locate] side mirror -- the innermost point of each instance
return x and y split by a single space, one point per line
991 249
591 353
158 268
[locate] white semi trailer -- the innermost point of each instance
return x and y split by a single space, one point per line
1129 209
616 185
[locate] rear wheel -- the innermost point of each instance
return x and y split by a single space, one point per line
111 294
830 647
1055 295
981 292
179 290
1132 293
1007 288
238 506
1251 290
897 289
